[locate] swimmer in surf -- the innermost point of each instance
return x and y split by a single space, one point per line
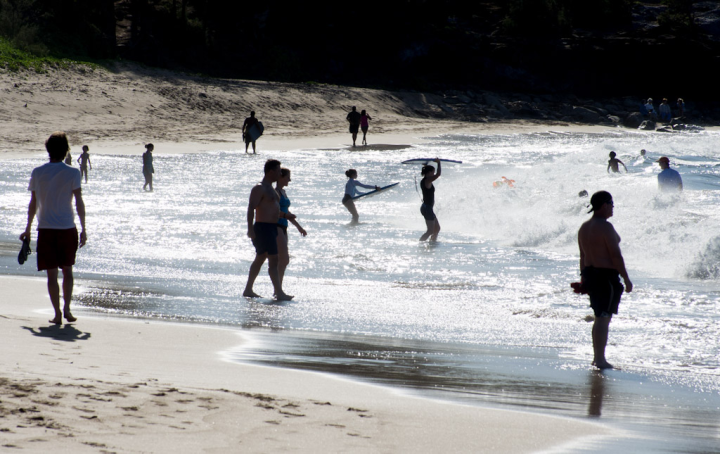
428 195
613 163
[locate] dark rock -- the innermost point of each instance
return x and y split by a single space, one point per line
585 114
203 95
647 125
634 120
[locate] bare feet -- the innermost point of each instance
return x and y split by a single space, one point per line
284 297
603 365
57 320
69 317
250 294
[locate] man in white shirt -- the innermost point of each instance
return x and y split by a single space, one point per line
53 186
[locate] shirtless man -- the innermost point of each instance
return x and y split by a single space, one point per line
601 264
613 163
262 218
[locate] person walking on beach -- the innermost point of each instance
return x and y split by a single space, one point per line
364 125
613 163
669 180
84 161
351 191
148 168
249 123
263 214
354 119
68 158
681 107
282 238
53 186
428 195
601 265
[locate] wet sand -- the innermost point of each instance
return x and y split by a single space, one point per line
139 385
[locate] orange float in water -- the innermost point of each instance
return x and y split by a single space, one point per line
504 182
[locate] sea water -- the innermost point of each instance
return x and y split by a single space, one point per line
498 277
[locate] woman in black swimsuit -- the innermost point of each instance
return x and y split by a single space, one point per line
428 193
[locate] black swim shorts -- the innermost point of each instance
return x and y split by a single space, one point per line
427 212
56 248
604 288
354 129
265 240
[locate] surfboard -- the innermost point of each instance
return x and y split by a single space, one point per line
376 191
255 131
424 161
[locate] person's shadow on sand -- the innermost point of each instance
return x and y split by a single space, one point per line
66 333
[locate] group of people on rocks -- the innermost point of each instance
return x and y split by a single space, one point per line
664 111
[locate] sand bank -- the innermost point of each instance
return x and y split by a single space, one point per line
131 385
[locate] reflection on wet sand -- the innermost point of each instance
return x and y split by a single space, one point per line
650 416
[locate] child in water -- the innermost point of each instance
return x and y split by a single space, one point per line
351 191
613 163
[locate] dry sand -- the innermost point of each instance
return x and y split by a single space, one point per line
107 384
118 112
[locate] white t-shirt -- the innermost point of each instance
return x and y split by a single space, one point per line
53 184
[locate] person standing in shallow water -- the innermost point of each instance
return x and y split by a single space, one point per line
364 125
351 191
354 119
263 214
84 161
148 168
601 266
53 186
282 238
428 195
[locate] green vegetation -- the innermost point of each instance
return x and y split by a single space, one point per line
14 59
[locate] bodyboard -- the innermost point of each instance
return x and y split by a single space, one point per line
425 161
255 132
375 191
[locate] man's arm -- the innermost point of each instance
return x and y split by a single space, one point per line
32 209
623 164
80 208
612 240
255 199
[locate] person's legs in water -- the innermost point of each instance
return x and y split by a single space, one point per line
255 267
350 205
283 254
430 229
254 150
600 331
275 279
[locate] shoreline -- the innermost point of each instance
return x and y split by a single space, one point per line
98 381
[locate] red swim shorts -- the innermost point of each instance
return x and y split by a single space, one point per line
56 248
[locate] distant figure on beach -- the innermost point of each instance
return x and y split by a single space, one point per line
351 191
148 168
282 238
84 161
364 125
263 214
428 195
669 180
613 164
642 152
68 158
249 123
681 107
665 111
650 108
354 119
53 186
601 265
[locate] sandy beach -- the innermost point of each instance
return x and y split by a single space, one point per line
116 385
113 384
